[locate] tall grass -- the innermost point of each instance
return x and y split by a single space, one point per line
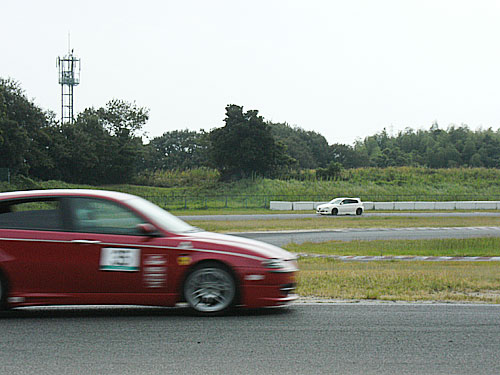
200 188
200 177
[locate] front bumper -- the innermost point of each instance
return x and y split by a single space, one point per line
264 289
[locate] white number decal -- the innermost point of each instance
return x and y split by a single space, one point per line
120 259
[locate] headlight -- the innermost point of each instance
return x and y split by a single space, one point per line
274 264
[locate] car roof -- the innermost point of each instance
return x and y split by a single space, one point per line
66 192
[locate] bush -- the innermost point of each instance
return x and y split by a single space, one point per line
202 177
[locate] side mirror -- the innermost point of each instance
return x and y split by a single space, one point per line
147 229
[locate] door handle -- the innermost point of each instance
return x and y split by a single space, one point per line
86 242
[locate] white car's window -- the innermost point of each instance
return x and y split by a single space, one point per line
336 201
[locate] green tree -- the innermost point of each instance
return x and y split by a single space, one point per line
332 172
309 148
103 145
25 132
245 146
178 149
349 156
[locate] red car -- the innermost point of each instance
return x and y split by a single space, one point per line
100 247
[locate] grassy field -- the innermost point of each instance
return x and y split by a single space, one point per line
453 247
400 280
327 222
401 183
327 278
192 190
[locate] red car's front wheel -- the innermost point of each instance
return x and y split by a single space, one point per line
3 292
210 289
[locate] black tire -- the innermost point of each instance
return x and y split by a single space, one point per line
3 293
335 212
359 211
210 289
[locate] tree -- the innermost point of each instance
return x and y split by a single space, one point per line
24 131
112 135
348 156
178 149
13 140
245 146
332 172
309 148
123 119
103 145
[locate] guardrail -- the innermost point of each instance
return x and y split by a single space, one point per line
393 206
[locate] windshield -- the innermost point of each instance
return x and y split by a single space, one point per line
336 201
161 217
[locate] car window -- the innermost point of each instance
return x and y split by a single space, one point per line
31 214
165 219
102 216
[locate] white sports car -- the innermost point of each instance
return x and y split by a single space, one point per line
341 206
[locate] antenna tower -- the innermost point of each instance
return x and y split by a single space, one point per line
69 77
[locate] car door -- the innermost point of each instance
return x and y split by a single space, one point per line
110 254
350 206
344 207
35 242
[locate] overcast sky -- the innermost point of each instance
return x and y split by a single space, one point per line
345 69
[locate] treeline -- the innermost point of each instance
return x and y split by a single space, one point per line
102 146
457 146
106 145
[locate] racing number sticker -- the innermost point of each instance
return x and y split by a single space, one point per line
155 271
120 259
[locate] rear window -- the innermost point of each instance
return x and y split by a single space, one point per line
32 214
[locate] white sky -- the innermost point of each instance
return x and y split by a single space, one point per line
345 69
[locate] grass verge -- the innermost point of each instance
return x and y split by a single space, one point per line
332 222
400 281
454 247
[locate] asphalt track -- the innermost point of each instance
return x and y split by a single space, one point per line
328 217
282 238
305 338
371 338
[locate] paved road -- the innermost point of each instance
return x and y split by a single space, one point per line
302 339
284 237
328 217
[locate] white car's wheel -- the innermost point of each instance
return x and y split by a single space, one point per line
335 211
359 211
